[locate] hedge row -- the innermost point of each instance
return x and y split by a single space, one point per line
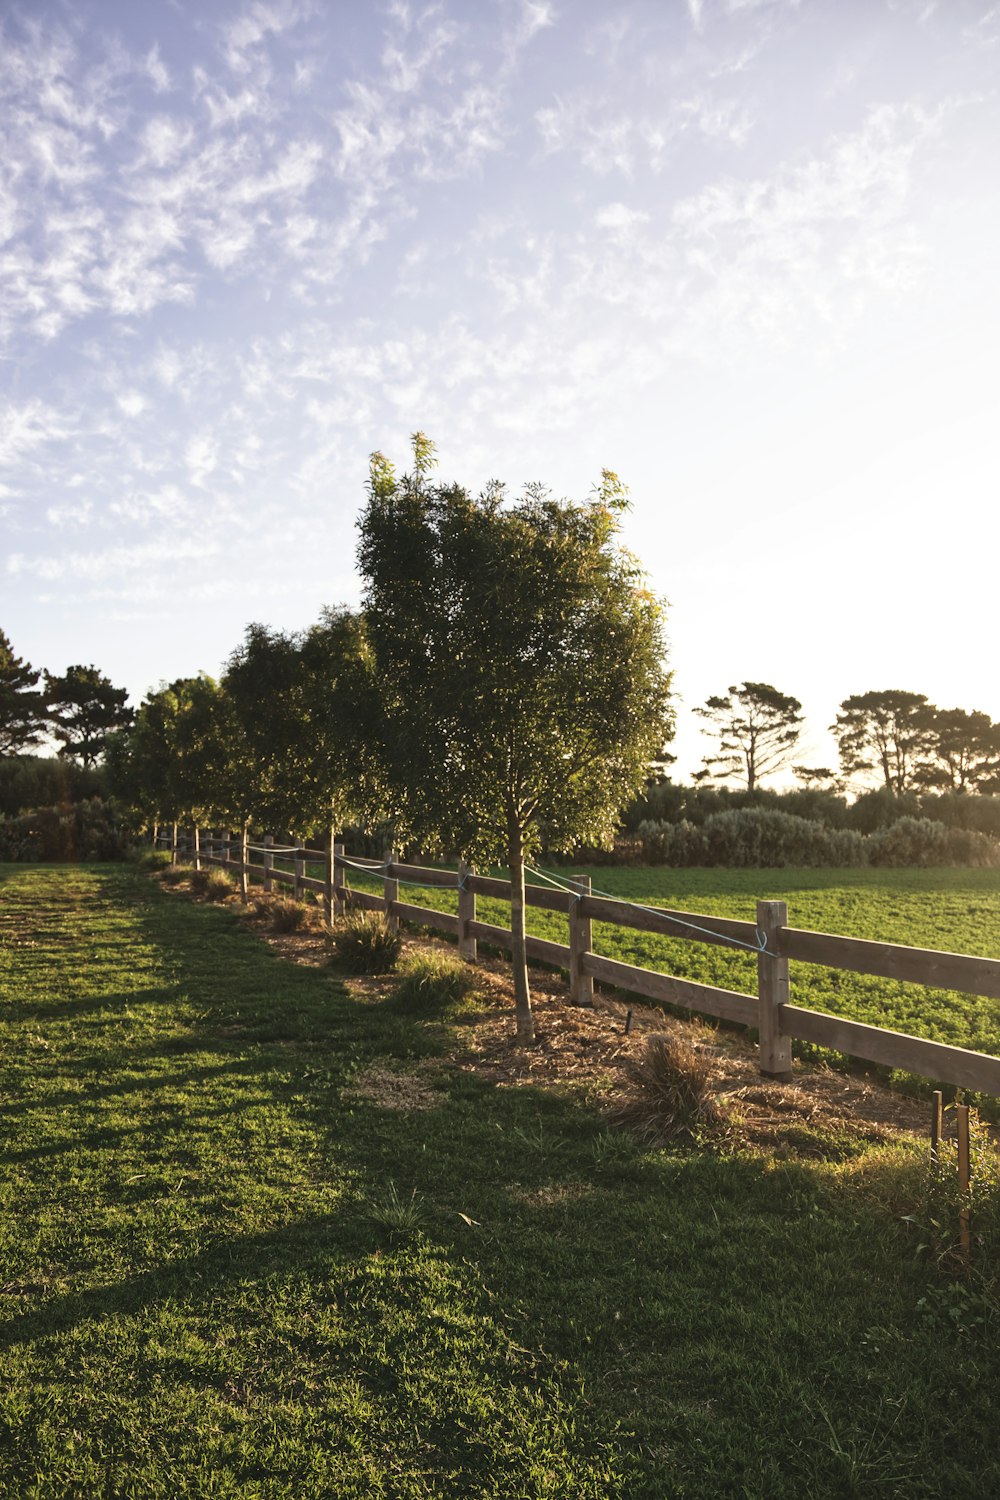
749 837
88 829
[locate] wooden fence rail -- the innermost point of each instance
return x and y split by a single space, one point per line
771 1010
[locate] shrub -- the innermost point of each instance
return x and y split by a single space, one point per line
214 885
923 842
670 1090
286 914
85 830
153 859
752 837
432 983
367 944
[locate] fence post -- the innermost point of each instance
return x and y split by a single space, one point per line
329 850
391 892
466 913
173 843
300 870
225 850
581 937
772 991
196 847
338 900
268 862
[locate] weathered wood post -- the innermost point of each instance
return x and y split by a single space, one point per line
244 863
196 847
329 851
937 1124
581 937
300 870
466 913
173 843
391 891
225 849
338 884
772 991
268 862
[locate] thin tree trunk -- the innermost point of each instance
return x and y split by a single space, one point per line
244 860
519 955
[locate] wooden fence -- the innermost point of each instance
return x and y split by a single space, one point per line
770 1011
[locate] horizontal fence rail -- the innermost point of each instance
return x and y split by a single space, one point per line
770 1011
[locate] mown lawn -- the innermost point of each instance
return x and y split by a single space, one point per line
954 910
197 1298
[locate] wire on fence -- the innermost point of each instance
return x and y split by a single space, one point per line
759 947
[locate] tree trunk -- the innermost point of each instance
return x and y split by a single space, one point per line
244 861
519 954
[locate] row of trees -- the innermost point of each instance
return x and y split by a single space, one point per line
502 689
897 738
80 708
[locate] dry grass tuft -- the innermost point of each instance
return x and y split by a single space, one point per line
671 1091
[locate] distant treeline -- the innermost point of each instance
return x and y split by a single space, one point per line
698 825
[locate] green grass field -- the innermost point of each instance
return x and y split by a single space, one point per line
202 1293
954 910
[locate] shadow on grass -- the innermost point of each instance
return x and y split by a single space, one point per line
743 1318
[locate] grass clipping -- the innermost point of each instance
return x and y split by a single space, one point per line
670 1093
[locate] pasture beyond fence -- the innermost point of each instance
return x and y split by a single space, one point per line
771 1012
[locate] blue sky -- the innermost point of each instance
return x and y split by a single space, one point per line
741 251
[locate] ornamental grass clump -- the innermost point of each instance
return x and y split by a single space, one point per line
432 984
671 1091
367 944
284 913
214 885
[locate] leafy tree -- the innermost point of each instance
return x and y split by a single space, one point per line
85 708
181 758
758 729
308 705
884 733
521 661
964 751
22 710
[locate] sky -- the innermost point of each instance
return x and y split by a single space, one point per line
743 252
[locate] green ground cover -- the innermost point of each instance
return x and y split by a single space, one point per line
202 1293
954 910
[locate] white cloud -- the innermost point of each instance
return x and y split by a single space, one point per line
619 217
157 71
201 457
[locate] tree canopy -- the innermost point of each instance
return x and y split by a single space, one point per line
521 660
963 750
885 733
22 710
85 709
758 729
308 705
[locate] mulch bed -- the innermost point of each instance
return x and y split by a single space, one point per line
588 1050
